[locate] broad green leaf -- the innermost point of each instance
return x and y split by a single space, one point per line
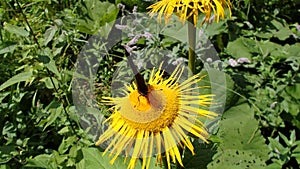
293 50
15 30
282 30
274 166
21 77
237 159
40 161
241 140
269 48
283 33
216 28
294 91
94 159
242 47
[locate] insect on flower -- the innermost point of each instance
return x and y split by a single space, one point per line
143 88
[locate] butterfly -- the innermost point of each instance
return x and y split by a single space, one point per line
153 96
142 87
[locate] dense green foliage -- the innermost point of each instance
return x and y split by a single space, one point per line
41 40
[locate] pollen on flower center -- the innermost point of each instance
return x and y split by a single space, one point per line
153 112
138 101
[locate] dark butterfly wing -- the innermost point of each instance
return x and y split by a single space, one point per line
139 80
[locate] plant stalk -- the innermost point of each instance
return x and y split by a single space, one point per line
192 44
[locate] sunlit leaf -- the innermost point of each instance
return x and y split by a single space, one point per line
21 77
16 30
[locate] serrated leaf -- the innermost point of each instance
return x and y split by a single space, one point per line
15 30
21 77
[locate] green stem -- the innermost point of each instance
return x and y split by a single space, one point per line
192 44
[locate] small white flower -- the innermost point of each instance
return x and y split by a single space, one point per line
178 61
243 60
121 27
232 62
209 60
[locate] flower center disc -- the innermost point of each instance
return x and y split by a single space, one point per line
144 109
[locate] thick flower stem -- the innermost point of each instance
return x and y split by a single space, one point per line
192 44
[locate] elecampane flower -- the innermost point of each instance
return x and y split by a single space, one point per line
190 8
141 126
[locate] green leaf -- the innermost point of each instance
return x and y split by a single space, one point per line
242 47
66 143
6 153
275 145
283 33
15 30
94 159
242 144
237 159
49 34
294 91
40 161
203 156
21 77
216 28
55 109
53 68
95 15
48 82
7 48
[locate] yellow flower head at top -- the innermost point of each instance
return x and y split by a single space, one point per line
190 8
156 124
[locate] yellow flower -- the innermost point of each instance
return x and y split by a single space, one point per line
190 8
143 126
